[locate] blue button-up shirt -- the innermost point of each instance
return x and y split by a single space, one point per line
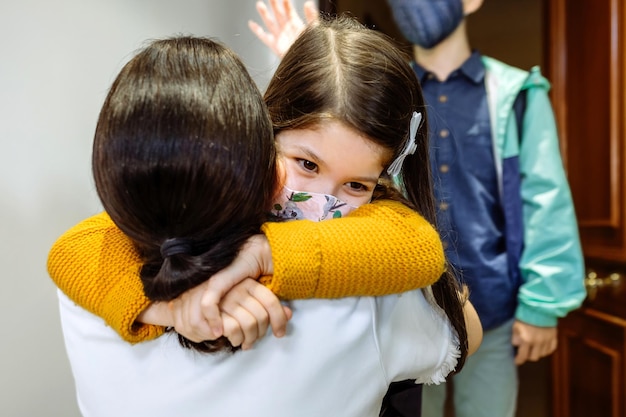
469 214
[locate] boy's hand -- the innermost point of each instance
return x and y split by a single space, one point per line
532 342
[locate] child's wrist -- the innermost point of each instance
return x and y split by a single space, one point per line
157 313
262 254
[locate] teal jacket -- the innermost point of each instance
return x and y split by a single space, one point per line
543 245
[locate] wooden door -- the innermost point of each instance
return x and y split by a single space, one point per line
586 64
586 68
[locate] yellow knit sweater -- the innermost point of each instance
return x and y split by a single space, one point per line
380 248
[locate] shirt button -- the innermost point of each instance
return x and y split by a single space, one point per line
444 133
443 98
443 206
444 168
430 76
444 244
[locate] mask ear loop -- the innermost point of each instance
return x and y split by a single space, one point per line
409 147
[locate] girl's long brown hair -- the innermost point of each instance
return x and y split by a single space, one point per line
338 69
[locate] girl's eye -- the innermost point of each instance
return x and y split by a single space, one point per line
308 165
357 186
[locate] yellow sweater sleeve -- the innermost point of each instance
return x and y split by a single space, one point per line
381 248
97 267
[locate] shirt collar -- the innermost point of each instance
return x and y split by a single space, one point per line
472 68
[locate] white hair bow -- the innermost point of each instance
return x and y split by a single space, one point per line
409 147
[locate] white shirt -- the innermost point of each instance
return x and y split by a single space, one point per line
337 359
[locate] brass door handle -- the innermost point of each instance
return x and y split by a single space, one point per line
592 280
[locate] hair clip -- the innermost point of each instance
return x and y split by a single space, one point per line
409 147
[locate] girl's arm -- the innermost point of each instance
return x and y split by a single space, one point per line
97 266
381 248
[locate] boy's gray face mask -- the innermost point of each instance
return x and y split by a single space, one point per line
427 22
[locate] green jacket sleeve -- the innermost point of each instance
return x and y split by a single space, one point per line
552 261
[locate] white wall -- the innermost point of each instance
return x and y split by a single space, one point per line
57 59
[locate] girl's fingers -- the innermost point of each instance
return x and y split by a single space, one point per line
232 330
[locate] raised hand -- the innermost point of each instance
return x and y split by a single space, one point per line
283 24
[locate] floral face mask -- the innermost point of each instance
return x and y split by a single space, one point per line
298 205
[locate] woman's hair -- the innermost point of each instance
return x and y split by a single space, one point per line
184 162
340 70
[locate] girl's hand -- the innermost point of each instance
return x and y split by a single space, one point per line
245 306
283 24
253 261
247 311
183 313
